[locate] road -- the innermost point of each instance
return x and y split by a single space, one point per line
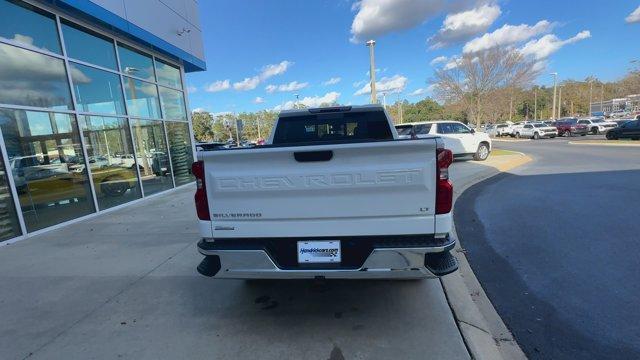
555 246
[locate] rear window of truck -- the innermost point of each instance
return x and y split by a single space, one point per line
332 127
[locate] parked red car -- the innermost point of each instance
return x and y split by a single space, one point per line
570 127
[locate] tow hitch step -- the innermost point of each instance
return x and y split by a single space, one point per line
441 263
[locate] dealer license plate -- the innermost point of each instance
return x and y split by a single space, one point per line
319 252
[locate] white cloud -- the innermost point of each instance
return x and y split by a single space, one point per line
332 81
192 89
438 60
634 17
221 113
358 84
394 84
311 101
247 84
418 92
292 86
545 46
507 35
453 63
199 110
258 100
268 71
378 17
463 25
216 86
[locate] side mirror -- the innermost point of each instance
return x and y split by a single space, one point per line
473 131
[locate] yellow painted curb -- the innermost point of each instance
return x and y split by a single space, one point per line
519 161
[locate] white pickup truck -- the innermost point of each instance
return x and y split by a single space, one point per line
333 194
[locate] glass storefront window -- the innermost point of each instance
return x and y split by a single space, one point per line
142 98
153 161
168 74
9 223
28 25
135 63
181 152
97 91
31 79
172 102
87 46
48 166
111 160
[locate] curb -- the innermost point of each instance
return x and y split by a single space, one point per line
484 333
603 144
509 140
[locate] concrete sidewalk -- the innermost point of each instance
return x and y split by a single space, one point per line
124 285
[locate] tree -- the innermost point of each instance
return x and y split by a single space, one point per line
475 77
202 126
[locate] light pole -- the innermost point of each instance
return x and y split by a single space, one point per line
560 103
555 89
372 71
590 95
384 100
535 106
297 100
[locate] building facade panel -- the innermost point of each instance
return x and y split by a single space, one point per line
89 119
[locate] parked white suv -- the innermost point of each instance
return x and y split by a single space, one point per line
597 125
458 137
536 131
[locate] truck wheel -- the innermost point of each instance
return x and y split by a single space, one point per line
594 131
536 136
517 135
567 134
482 153
611 136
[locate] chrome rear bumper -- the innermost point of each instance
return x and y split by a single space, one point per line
382 263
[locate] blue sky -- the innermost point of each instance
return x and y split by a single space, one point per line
260 53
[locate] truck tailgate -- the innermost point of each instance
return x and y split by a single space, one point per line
369 188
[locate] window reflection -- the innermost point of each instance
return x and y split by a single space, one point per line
9 224
28 25
97 91
48 166
153 161
31 79
168 74
87 46
142 98
181 152
172 102
135 63
111 160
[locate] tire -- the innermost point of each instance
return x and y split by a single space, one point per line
583 134
517 135
611 136
552 136
594 131
567 134
482 153
635 138
114 186
536 136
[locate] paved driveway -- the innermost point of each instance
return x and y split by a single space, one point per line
124 285
555 246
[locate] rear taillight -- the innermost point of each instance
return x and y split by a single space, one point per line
202 205
444 188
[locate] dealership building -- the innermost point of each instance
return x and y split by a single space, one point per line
93 106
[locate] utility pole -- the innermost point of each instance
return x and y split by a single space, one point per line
535 106
511 109
372 71
297 100
590 95
400 110
602 99
571 107
258 124
384 100
560 103
555 89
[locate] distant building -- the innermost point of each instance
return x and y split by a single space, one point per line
630 103
93 106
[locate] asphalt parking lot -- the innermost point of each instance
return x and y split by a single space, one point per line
554 245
